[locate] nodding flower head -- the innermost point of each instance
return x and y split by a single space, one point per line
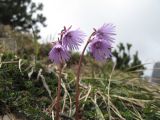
100 49
105 32
72 39
59 54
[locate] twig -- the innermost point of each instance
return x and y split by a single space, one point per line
66 93
109 82
44 83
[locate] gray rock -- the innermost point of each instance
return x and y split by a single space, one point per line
156 73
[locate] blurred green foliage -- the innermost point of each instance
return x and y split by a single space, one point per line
23 95
126 61
22 15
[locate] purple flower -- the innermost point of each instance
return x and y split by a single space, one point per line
106 32
73 39
59 54
100 49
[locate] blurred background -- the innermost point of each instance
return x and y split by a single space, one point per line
137 22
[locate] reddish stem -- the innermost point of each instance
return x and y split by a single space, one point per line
78 79
58 95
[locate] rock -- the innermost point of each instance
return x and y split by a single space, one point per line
156 73
10 117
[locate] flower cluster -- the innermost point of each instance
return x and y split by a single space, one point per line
101 43
69 40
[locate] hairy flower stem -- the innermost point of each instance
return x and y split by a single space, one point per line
78 78
58 94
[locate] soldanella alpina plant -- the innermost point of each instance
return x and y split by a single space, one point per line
99 44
